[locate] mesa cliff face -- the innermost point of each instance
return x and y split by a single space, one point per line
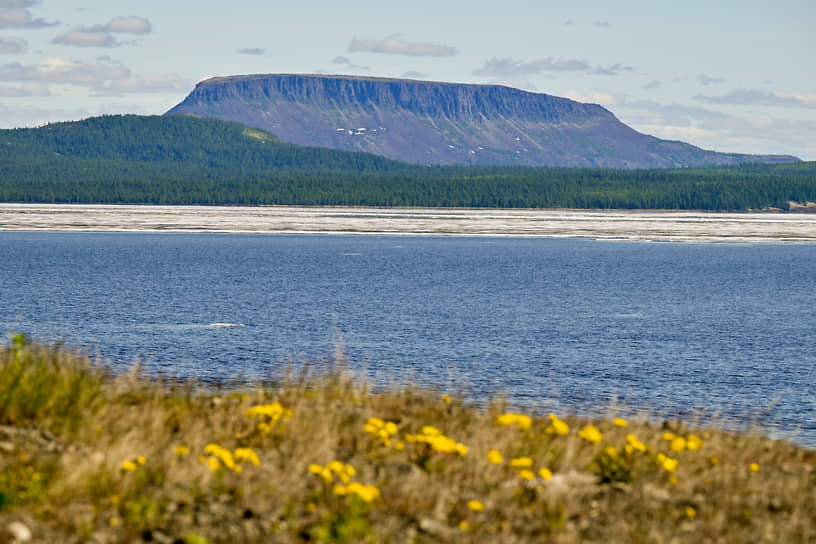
441 123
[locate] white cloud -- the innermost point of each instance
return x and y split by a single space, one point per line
709 129
394 45
597 97
140 85
129 25
703 79
508 67
21 18
31 89
17 3
345 61
759 97
85 38
611 70
103 35
12 45
28 116
59 70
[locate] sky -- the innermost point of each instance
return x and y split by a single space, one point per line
726 75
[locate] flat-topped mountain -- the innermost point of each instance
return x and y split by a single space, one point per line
442 123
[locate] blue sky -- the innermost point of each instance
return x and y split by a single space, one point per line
730 76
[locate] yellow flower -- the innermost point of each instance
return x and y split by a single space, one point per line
526 474
590 433
521 421
633 444
463 525
521 462
545 473
669 464
247 454
431 431
611 452
129 466
336 466
391 428
272 412
264 427
476 506
213 464
754 467
678 444
557 426
367 493
446 399
620 422
493 456
693 442
340 489
668 437
315 468
182 450
141 460
221 453
691 513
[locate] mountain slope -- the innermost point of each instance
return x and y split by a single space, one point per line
442 123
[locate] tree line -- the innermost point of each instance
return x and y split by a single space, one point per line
190 160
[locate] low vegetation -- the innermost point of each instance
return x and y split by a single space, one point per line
187 160
89 456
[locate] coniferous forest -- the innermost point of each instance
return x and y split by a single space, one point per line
189 160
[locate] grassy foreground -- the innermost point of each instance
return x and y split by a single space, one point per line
86 456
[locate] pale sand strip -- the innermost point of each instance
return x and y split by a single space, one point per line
615 225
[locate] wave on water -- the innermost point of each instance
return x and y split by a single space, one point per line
225 325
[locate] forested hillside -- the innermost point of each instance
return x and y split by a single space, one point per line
189 160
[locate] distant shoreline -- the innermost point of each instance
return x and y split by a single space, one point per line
634 225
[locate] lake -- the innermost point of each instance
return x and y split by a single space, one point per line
679 329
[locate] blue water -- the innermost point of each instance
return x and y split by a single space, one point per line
551 323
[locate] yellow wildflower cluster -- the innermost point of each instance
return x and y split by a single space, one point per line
382 430
519 420
557 426
337 470
590 433
476 506
366 492
437 441
269 414
620 422
678 443
523 466
669 464
633 445
132 464
220 457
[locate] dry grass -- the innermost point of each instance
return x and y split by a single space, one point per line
89 457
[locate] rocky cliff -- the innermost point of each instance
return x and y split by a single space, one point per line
441 123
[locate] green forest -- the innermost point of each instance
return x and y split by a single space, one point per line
189 160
